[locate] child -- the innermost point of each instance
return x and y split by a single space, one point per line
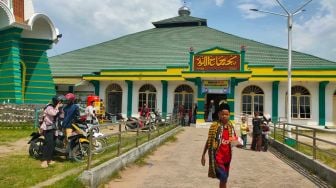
265 132
243 131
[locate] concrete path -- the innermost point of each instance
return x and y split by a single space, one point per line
177 164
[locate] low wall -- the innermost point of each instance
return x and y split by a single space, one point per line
102 173
321 170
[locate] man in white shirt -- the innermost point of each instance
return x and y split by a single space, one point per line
90 112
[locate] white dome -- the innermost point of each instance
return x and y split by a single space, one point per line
184 10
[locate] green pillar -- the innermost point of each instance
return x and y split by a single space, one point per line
129 97
11 85
242 56
164 97
200 100
231 97
71 89
191 55
322 87
39 84
96 85
275 101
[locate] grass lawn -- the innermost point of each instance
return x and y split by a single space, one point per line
12 135
25 171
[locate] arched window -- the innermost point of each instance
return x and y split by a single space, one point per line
114 98
252 100
183 95
300 102
147 95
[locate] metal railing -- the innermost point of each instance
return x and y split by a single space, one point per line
125 138
313 141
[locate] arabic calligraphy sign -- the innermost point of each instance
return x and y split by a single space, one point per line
227 62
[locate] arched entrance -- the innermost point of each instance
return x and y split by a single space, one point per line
114 98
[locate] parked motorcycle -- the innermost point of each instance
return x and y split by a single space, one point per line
75 147
100 142
133 123
118 116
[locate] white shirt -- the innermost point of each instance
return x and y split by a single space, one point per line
89 111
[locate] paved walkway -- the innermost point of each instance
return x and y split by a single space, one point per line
177 164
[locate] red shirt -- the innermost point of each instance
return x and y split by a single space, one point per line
223 155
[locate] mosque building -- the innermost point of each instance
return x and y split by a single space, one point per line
181 61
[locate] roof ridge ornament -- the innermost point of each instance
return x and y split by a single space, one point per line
184 10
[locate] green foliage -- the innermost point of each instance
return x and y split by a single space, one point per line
24 171
16 125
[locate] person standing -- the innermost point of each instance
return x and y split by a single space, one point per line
211 110
181 115
144 111
90 113
144 115
243 131
256 134
218 146
265 132
48 128
194 114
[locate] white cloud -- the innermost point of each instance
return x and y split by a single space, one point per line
219 2
317 35
109 18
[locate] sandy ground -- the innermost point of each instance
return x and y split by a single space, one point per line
177 164
18 147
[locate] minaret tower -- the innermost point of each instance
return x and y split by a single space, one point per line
25 37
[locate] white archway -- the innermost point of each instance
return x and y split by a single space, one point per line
6 16
41 27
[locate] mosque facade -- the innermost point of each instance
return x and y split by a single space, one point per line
181 61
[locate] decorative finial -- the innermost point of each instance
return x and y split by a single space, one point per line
184 10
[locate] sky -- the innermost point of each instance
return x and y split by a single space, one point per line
87 22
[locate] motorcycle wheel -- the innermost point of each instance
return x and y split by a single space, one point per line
99 145
80 151
36 148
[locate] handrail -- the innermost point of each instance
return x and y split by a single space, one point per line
168 120
315 142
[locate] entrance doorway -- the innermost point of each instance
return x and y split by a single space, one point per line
216 98
114 102
114 98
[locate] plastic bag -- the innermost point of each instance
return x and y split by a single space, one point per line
236 141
